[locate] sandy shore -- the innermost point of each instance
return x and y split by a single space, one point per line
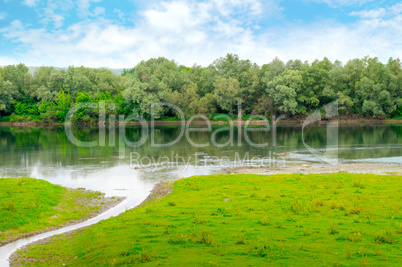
384 169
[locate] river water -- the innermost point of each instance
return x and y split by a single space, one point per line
129 162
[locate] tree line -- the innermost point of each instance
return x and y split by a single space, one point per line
364 88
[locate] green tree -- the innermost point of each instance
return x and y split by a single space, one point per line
337 88
63 105
47 111
122 108
76 81
247 75
227 93
282 90
375 101
7 90
354 72
105 81
311 92
19 76
86 111
273 69
46 83
148 87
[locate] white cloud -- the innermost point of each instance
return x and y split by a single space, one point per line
379 12
51 16
3 15
30 3
84 5
119 13
199 32
339 3
99 11
186 31
55 11
376 34
396 9
4 61
337 41
370 14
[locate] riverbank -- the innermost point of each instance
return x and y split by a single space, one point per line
203 122
358 168
288 219
29 207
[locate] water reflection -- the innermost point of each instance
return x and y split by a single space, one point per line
47 153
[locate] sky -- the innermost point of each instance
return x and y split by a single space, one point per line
119 34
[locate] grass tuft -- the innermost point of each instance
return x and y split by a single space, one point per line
333 229
359 184
384 237
264 221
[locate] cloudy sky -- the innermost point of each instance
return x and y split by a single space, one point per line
118 34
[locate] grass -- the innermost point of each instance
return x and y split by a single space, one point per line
395 118
5 119
31 205
284 220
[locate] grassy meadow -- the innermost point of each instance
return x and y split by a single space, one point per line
245 220
31 205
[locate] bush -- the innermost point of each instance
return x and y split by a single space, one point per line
23 108
5 119
17 118
221 117
48 111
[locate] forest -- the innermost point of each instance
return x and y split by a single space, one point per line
364 88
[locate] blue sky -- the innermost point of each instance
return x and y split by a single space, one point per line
116 34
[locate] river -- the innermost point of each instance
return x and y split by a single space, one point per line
129 162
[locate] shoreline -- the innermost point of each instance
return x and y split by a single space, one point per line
356 168
203 123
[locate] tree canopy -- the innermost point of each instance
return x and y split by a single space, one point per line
364 88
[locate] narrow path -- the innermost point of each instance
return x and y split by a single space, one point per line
7 250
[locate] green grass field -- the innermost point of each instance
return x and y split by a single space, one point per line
31 205
246 220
